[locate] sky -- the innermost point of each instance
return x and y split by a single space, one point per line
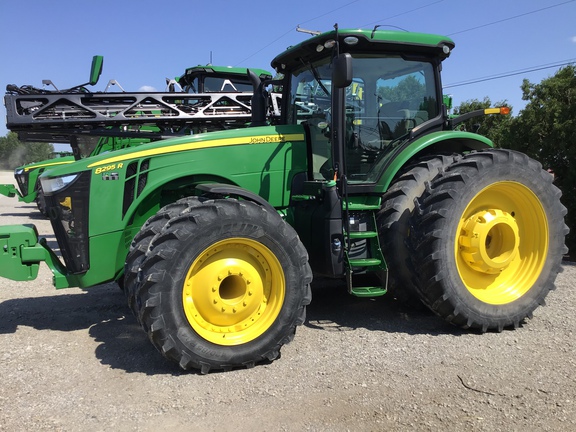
146 41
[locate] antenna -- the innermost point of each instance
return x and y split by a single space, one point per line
210 57
302 30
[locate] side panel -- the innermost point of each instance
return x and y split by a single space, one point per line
127 185
317 218
121 185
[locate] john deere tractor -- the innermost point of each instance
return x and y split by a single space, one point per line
215 237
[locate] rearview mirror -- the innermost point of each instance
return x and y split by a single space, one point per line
342 70
96 69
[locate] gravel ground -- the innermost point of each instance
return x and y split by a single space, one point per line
76 360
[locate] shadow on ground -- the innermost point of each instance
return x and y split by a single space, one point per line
103 312
333 309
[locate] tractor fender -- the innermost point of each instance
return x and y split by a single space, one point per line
435 142
227 190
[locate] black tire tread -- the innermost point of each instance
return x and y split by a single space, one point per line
393 221
141 244
153 275
428 228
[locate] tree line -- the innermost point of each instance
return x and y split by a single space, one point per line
15 153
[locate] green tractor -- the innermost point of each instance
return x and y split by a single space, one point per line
215 237
209 98
27 178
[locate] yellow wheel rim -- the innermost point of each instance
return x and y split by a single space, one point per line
233 291
501 243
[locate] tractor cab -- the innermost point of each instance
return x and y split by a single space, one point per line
391 98
362 98
209 79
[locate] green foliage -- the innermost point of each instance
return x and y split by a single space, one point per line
546 130
491 126
408 88
14 153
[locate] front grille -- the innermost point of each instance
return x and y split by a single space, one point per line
22 180
68 212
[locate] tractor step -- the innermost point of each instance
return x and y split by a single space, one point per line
374 291
362 234
368 285
360 207
364 262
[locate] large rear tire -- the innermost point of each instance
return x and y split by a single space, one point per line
223 286
488 240
393 222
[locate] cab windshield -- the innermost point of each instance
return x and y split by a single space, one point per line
218 84
387 98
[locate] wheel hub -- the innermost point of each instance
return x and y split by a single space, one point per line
234 295
233 291
489 241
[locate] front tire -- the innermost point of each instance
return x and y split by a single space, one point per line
223 286
488 239
41 199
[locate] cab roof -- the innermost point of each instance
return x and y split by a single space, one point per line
378 41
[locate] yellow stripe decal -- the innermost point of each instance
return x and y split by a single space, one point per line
47 164
262 139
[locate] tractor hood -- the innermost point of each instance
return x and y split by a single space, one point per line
110 161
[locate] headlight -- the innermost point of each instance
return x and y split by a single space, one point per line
18 171
51 185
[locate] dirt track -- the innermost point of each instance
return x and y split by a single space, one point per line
76 360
